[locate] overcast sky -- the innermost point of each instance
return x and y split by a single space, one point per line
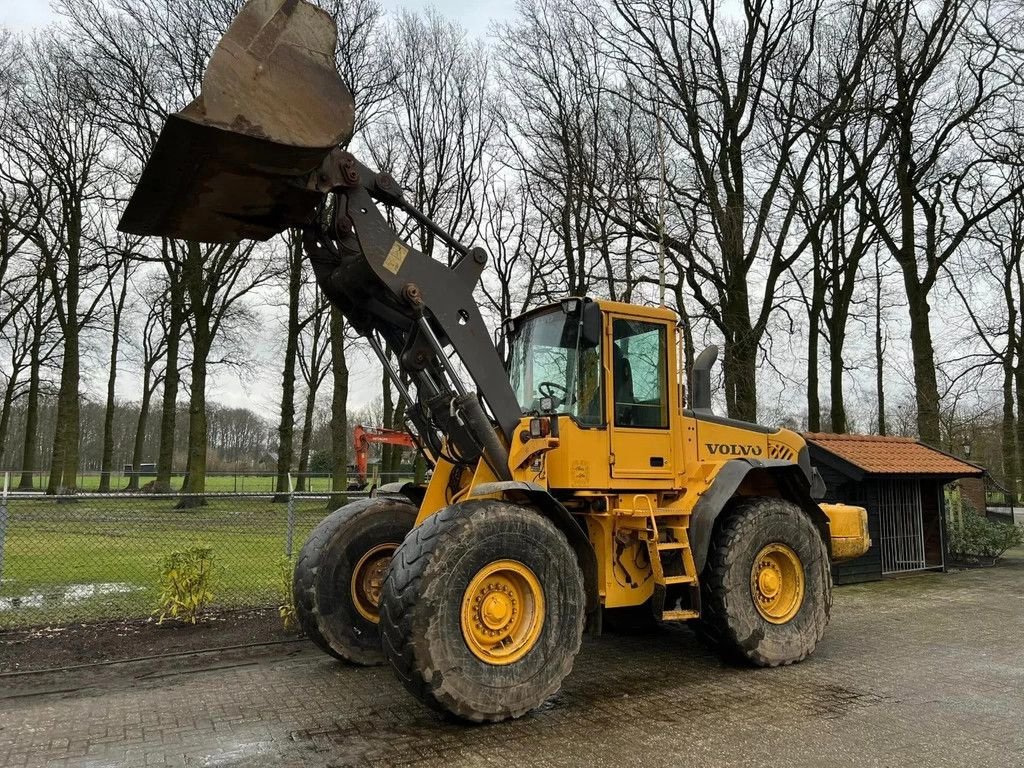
475 16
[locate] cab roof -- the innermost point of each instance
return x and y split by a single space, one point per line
615 307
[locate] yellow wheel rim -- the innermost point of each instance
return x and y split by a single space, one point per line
502 612
368 579
777 583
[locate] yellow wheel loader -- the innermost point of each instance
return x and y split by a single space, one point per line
573 483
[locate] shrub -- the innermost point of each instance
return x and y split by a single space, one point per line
973 536
186 584
286 610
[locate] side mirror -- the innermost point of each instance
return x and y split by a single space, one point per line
590 326
700 380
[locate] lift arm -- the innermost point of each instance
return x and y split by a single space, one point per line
260 151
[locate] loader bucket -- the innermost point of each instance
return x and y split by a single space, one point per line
236 162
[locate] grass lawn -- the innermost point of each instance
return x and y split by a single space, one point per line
101 558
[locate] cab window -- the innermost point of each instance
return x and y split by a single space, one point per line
639 377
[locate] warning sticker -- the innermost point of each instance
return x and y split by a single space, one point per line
396 257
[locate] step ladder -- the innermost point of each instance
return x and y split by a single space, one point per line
676 591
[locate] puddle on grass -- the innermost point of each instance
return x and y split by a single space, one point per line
73 593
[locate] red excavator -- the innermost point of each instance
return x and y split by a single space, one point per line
364 437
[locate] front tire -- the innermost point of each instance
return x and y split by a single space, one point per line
482 611
339 574
766 590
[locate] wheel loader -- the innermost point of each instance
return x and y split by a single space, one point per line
575 484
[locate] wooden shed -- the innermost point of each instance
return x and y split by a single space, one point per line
900 482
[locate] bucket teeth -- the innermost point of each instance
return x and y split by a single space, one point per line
237 162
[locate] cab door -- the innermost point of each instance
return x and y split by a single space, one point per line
639 407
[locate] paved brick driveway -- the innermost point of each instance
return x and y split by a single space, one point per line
926 671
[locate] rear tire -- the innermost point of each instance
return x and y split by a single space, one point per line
766 590
335 612
436 617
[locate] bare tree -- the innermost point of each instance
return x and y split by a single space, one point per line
737 113
286 426
313 346
521 244
988 281
44 348
219 281
339 412
152 343
944 92
557 88
435 133
120 266
58 143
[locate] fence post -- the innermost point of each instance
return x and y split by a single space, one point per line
291 517
3 522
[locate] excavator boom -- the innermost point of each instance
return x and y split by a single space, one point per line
364 437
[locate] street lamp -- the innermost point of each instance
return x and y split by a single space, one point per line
967 450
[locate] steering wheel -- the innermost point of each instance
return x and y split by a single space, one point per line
552 389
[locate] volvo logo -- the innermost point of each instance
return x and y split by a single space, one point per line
733 449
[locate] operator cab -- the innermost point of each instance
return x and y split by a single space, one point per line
556 365
604 369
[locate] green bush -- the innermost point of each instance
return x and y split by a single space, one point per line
186 584
972 536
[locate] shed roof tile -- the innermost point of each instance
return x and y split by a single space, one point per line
878 455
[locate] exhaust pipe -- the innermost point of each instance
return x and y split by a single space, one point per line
236 163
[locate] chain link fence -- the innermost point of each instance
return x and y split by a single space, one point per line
241 481
92 556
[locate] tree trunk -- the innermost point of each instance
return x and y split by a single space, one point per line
1019 381
108 416
140 430
307 437
1009 433
388 422
739 362
28 454
286 428
195 285
925 384
813 398
64 457
195 477
53 483
397 454
5 410
836 345
172 380
879 350
339 414
836 368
